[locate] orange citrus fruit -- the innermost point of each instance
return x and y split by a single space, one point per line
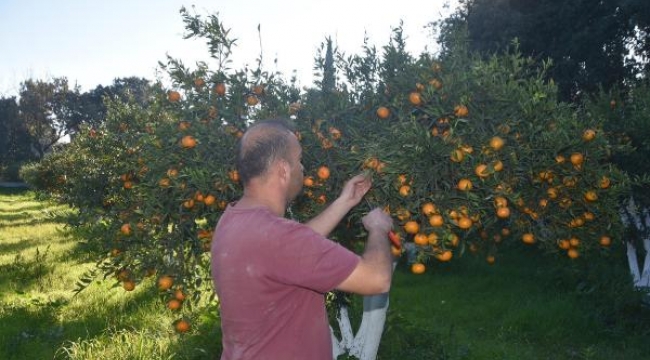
467 149
461 110
436 220
464 222
125 229
173 96
182 326
128 285
415 98
589 135
404 190
421 239
428 208
308 181
209 199
188 141
436 83
179 295
165 282
403 214
397 252
577 159
258 89
174 304
233 175
605 182
573 253
457 155
188 204
481 170
371 163
383 112
323 172
605 240
497 165
497 143
528 238
591 196
432 238
445 255
464 185
252 100
564 244
418 268
411 227
503 212
500 201
220 89
164 182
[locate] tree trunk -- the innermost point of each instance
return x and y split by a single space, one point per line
640 219
365 343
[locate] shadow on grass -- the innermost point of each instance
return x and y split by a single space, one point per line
29 332
21 221
37 329
24 273
21 206
17 247
203 343
15 191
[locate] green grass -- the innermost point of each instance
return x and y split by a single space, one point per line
523 307
41 318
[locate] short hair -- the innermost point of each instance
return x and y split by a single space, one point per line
262 144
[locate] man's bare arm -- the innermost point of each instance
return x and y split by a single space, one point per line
373 273
351 195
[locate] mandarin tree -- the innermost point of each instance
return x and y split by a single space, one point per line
418 126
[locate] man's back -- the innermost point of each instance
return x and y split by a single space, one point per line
270 274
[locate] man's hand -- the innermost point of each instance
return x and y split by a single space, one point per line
374 271
378 220
354 190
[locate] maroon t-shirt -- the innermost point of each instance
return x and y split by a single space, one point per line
270 274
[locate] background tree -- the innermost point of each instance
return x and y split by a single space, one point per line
15 140
589 41
49 110
90 107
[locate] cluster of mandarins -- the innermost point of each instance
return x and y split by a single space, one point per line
548 195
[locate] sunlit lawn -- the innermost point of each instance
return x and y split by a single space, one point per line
523 307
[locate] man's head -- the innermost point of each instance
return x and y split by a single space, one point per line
265 145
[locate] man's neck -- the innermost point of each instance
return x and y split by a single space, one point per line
249 200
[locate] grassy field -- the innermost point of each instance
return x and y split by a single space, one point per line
523 307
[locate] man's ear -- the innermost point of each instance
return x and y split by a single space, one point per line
284 169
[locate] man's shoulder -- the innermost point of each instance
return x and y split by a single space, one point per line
263 219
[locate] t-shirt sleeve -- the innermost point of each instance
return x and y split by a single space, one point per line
310 260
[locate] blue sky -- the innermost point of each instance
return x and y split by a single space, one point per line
93 42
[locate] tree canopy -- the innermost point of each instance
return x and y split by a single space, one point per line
592 43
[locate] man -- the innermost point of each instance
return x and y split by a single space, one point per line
271 273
